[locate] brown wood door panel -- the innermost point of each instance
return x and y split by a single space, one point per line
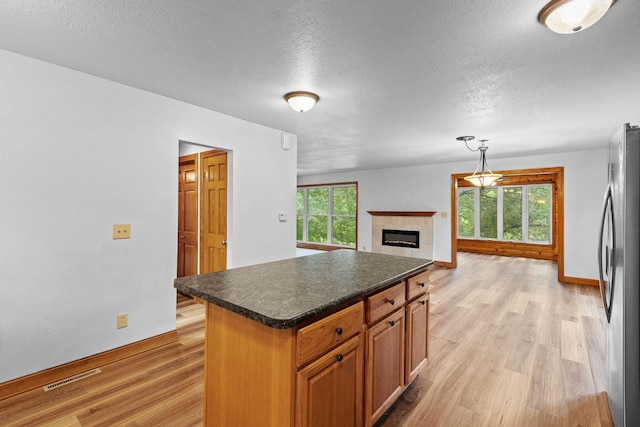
417 344
330 389
187 216
385 365
213 173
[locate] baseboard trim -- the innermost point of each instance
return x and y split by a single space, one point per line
443 264
579 281
51 375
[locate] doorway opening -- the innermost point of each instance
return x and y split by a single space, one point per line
202 209
554 250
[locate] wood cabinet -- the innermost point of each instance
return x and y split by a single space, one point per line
397 345
330 390
385 302
417 285
385 365
417 344
321 336
342 369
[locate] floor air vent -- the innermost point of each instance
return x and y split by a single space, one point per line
71 379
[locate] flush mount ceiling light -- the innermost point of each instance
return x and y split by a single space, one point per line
485 178
571 16
301 101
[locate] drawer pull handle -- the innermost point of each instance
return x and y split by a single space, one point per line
391 302
391 322
422 302
339 331
421 284
339 357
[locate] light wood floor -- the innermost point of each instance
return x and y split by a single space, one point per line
509 346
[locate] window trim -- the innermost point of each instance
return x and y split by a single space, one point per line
327 246
500 214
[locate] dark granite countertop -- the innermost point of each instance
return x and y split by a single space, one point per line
283 294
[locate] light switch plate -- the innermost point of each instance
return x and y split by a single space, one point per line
121 231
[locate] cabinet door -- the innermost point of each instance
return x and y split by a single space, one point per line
417 336
385 365
330 390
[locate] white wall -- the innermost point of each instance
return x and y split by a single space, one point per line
428 188
79 154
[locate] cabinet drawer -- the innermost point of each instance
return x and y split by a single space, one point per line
385 302
417 285
321 336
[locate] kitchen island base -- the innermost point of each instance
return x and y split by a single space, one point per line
331 340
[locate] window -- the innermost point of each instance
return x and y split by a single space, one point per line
327 214
509 213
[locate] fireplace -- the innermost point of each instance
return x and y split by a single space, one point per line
401 238
402 233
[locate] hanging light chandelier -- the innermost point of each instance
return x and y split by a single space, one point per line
486 177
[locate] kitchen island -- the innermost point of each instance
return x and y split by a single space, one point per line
326 339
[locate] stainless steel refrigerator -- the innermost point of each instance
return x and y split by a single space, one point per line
619 261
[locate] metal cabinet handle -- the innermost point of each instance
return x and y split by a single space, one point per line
224 242
339 357
391 302
391 322
339 331
421 284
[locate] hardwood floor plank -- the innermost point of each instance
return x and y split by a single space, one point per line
545 391
508 406
573 345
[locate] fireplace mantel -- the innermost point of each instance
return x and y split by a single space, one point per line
402 213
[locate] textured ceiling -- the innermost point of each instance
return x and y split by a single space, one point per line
398 80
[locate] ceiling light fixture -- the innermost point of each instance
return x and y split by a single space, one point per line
571 16
301 101
485 178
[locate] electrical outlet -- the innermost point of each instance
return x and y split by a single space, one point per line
121 231
123 320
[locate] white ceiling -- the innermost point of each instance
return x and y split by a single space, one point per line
399 80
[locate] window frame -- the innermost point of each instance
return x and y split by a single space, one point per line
524 215
305 243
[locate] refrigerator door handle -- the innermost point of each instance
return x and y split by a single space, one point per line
607 283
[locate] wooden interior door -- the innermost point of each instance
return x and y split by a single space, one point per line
213 243
187 216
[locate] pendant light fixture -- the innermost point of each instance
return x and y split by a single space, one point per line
301 101
485 178
571 16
